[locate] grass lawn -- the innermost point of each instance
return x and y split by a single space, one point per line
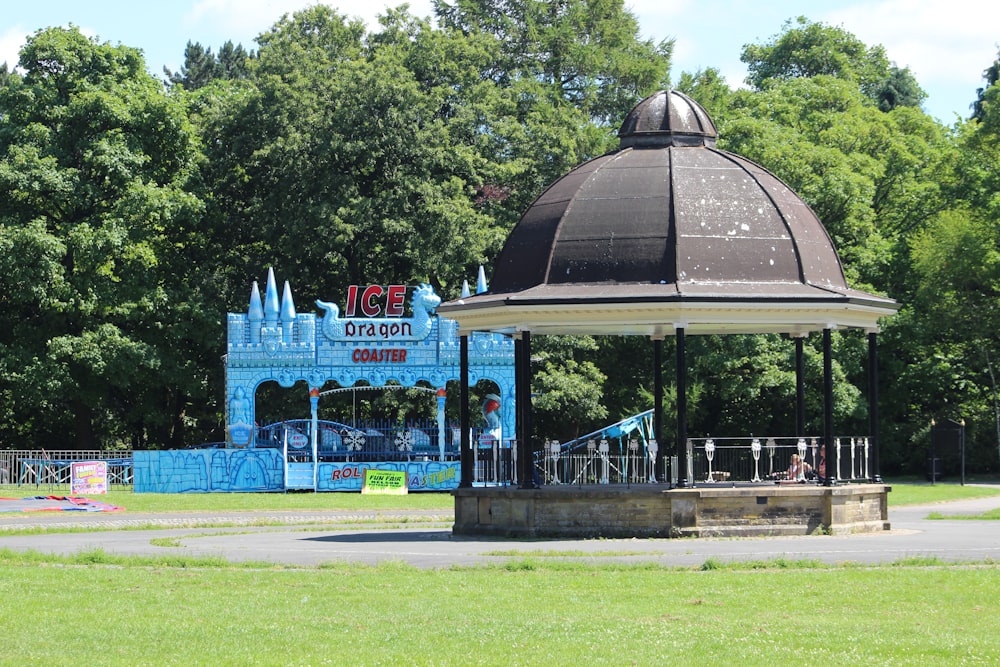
532 611
179 502
134 612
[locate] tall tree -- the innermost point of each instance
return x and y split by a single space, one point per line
338 165
201 67
93 161
806 49
588 51
900 89
991 74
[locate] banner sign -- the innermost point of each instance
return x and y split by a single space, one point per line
88 477
390 482
420 475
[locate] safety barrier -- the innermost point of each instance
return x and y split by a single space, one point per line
39 467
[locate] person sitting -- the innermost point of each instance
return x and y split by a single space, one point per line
798 468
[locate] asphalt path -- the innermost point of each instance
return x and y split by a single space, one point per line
423 539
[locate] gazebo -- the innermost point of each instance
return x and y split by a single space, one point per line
669 236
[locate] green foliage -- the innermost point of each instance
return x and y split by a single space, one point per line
588 52
93 162
567 388
900 89
134 217
805 49
991 74
201 67
707 87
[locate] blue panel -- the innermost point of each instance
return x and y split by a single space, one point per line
207 470
422 475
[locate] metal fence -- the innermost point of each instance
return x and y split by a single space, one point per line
371 441
627 461
606 461
39 467
750 459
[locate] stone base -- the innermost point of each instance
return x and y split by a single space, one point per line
656 511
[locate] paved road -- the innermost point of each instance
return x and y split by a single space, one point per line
423 539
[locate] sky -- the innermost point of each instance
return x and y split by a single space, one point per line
946 48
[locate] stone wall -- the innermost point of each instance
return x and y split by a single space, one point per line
655 511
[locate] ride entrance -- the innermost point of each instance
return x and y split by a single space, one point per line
373 345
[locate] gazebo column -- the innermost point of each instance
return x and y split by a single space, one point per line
682 459
800 388
873 462
466 462
658 467
832 457
522 382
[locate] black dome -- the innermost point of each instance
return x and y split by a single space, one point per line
668 233
668 208
667 118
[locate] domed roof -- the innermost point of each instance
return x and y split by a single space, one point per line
670 219
668 118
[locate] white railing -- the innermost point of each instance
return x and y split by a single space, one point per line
709 461
768 459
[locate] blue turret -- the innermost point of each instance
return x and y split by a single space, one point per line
287 315
271 305
256 313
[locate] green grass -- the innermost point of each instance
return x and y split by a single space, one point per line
180 502
131 611
538 608
991 515
925 493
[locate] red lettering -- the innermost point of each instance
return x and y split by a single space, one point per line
352 297
369 309
394 303
364 355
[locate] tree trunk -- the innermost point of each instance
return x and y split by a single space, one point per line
84 426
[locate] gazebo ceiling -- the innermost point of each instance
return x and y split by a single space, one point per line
666 232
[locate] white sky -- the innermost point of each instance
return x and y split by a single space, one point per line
946 44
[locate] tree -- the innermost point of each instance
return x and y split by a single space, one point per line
900 89
707 87
336 164
201 67
93 162
587 51
991 74
7 76
567 388
957 260
806 49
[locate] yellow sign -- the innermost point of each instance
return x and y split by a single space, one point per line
385 481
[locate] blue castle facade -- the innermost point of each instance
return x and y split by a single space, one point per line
273 342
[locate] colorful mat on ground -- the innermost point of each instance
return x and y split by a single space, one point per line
56 504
